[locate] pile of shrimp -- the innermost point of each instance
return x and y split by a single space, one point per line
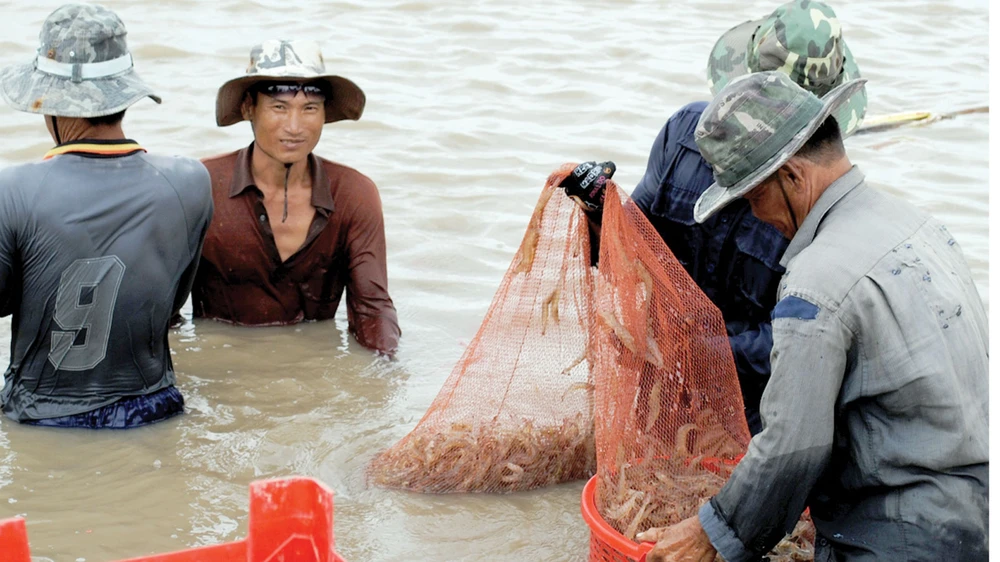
675 492
664 489
488 458
798 546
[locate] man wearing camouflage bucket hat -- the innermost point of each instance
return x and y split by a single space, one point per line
876 413
803 39
98 242
293 230
733 257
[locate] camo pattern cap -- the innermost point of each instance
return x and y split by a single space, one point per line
803 39
83 67
752 127
298 60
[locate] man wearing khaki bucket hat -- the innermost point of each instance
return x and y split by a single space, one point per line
733 257
876 413
98 242
293 230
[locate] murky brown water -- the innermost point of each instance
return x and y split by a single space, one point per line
469 109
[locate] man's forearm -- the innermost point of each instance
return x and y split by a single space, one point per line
378 332
751 346
184 286
767 491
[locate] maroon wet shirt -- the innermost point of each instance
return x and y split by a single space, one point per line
241 278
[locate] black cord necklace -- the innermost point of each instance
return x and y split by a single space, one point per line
55 130
789 205
284 213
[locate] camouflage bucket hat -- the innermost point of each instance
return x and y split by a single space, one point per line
752 127
289 61
802 39
83 67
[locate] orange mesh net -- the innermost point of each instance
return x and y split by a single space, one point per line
516 411
670 426
637 342
672 420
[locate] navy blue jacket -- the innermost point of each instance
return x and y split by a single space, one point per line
733 256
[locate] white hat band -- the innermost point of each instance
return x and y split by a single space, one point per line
84 71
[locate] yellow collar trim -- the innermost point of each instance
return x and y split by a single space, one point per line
93 148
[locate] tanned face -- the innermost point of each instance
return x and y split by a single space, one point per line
287 125
768 204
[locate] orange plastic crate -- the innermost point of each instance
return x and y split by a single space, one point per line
291 519
606 543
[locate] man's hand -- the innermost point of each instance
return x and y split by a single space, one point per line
683 542
176 320
585 184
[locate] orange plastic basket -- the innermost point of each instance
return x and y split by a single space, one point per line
606 543
290 519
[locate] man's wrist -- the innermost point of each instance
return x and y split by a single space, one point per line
721 535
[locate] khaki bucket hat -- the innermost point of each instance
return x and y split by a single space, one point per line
803 39
83 67
755 125
289 61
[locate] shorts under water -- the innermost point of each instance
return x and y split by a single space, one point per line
131 411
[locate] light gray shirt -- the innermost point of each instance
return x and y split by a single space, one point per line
876 414
96 254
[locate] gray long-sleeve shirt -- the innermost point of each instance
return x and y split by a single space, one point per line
96 254
876 414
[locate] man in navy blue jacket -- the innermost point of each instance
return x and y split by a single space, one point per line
733 256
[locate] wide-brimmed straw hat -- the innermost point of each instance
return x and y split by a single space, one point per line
752 127
289 61
83 67
803 39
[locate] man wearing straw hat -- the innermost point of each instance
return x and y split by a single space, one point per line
876 413
733 257
98 242
292 230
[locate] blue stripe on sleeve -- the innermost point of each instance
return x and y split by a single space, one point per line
794 307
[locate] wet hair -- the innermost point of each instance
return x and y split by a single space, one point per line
113 119
825 145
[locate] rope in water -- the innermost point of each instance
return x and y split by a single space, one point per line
880 123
